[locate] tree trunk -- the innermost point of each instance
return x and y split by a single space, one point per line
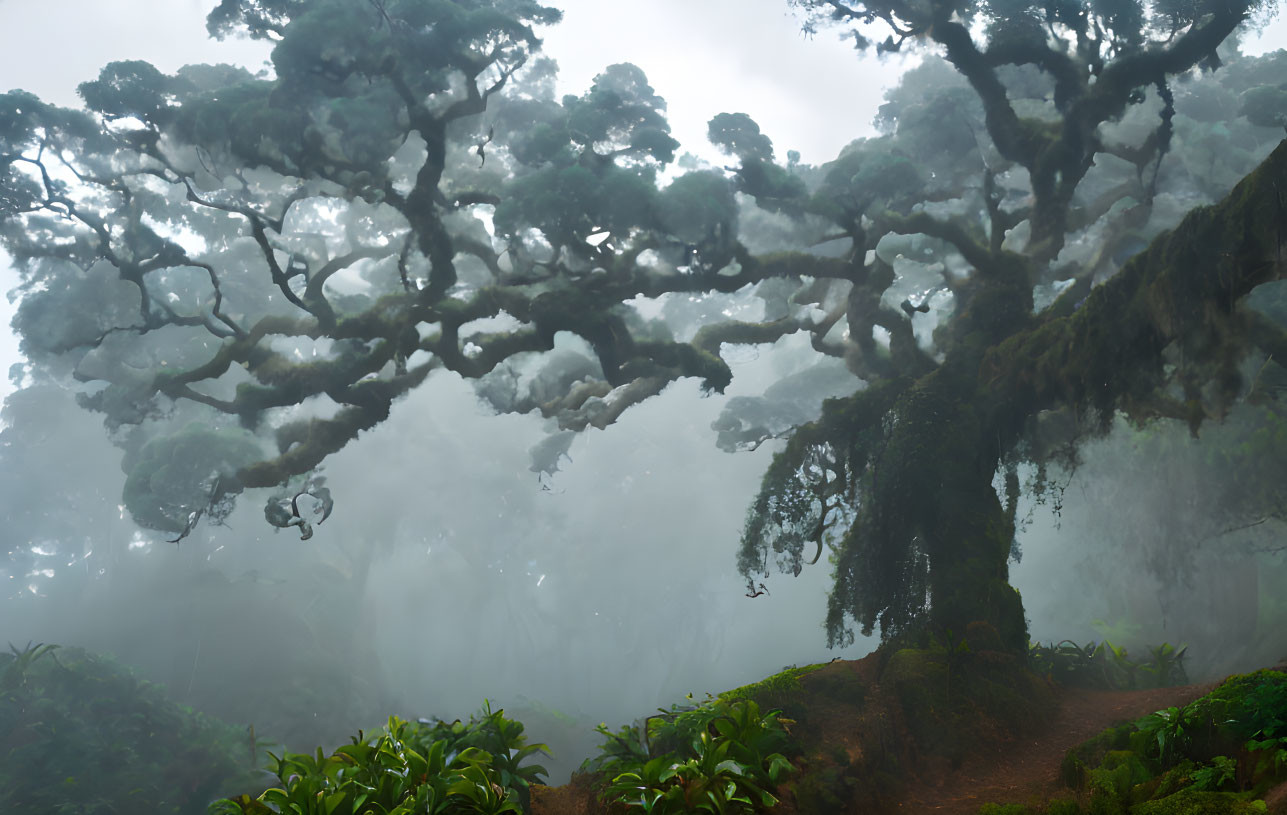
969 558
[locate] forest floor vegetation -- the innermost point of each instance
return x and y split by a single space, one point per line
1026 771
884 734
955 729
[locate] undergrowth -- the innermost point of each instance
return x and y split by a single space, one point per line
426 767
1217 755
722 756
81 735
1104 665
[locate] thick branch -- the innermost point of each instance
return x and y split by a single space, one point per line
1182 290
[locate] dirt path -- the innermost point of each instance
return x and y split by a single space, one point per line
1028 771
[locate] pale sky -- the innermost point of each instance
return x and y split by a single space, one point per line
725 56
703 56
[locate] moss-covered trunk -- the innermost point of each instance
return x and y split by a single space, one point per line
953 504
909 464
969 557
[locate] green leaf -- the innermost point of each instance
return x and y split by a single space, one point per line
779 767
730 766
334 800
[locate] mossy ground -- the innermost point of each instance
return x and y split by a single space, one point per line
864 731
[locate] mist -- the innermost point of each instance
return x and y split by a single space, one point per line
449 573
1135 546
599 581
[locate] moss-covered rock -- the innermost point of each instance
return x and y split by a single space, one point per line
1173 780
1075 769
1114 784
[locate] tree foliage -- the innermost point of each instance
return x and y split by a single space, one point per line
280 257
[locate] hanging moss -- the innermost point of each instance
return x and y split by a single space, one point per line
1107 354
173 476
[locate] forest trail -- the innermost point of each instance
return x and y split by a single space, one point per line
1027 771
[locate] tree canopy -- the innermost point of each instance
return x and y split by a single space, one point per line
243 272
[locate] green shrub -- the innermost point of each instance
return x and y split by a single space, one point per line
1196 802
1221 773
773 690
1112 784
1077 762
82 735
1062 806
1191 759
720 757
1104 665
1247 711
1167 734
426 768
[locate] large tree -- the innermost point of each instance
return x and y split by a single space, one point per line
245 271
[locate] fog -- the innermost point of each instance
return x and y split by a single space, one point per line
1140 551
451 572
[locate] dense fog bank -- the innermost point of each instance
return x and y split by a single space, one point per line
449 573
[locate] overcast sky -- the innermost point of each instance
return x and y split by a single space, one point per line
703 56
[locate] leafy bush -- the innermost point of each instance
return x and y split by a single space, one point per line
1248 711
720 757
81 735
425 767
1195 758
1252 706
1169 731
1190 801
776 689
1113 784
621 751
1222 773
1104 665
